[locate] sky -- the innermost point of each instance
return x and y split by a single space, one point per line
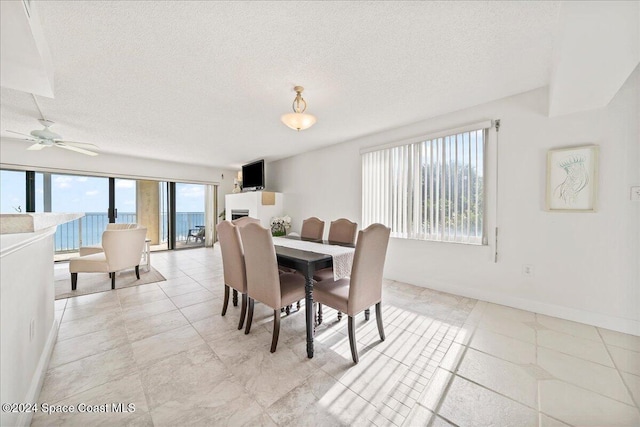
73 193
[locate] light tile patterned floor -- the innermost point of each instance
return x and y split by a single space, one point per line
447 360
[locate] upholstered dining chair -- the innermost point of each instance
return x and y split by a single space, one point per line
264 282
364 288
122 249
96 249
241 222
244 220
340 231
235 276
312 229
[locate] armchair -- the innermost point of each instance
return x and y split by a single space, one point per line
121 250
96 249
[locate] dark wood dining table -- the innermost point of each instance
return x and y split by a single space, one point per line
307 263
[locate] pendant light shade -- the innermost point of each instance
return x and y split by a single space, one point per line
298 120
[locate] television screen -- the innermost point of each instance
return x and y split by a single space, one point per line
253 176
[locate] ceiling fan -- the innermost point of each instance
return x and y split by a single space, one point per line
44 138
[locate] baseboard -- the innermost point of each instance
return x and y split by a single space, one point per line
38 376
619 324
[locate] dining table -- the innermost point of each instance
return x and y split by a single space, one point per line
308 256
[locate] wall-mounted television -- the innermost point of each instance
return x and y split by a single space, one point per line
253 176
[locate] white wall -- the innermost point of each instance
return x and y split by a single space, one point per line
13 154
26 295
586 265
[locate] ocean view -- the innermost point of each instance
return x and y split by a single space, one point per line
87 230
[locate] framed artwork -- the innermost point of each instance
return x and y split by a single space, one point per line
572 179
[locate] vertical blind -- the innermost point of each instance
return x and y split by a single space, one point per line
430 190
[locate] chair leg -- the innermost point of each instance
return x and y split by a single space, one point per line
276 330
138 272
352 339
74 281
226 300
235 298
379 320
243 311
319 314
249 316
113 280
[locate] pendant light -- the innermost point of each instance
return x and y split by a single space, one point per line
298 120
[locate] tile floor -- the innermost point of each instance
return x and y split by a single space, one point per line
447 360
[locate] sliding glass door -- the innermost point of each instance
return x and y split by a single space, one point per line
86 194
190 220
142 202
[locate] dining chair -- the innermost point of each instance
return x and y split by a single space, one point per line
121 250
364 288
244 220
264 282
235 276
341 231
312 229
241 222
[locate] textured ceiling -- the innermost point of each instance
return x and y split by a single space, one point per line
206 82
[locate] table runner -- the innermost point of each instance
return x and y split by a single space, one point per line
342 256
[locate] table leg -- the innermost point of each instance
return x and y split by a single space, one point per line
308 300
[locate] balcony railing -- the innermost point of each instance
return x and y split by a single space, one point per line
87 230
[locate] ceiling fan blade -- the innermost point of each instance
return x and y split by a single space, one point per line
31 138
76 149
78 144
35 147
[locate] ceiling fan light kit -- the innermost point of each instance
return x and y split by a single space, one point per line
298 120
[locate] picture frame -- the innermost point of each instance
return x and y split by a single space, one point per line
572 179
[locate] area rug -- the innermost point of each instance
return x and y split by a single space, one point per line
90 283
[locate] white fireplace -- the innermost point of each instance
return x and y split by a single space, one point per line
262 205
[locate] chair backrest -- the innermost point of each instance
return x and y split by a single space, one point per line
263 280
312 228
365 287
235 274
244 220
123 248
343 231
120 226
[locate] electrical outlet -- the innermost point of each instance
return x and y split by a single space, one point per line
527 270
635 194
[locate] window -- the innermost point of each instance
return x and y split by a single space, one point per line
13 191
429 190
